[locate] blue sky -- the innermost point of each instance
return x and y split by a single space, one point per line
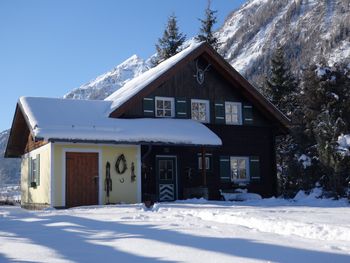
48 48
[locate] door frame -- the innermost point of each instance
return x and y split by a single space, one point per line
176 177
81 150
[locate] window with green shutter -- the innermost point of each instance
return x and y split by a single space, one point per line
247 114
225 170
181 108
148 107
254 163
219 112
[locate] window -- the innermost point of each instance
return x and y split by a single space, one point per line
200 110
207 162
239 169
233 113
165 107
34 171
166 169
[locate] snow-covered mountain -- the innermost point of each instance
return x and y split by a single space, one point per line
309 29
107 83
9 168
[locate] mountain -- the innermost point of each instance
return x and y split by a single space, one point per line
9 168
310 30
107 83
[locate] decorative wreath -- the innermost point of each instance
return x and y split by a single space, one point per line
121 161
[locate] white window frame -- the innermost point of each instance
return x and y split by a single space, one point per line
240 181
239 112
172 106
207 110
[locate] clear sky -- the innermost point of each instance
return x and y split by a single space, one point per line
48 48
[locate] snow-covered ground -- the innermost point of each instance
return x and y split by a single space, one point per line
268 230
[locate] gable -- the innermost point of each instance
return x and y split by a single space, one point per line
221 82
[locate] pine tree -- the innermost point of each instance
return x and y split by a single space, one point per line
326 107
206 29
280 87
170 42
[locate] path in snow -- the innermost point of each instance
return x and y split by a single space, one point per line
267 230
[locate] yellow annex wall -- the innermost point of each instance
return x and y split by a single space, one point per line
124 190
41 193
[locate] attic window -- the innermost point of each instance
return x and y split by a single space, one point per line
164 107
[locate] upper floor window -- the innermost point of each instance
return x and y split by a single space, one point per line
200 110
233 113
164 107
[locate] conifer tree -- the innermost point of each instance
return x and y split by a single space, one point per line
281 89
171 41
326 107
206 29
281 86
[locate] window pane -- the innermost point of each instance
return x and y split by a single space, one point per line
167 113
167 104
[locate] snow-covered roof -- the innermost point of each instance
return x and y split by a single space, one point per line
85 120
135 85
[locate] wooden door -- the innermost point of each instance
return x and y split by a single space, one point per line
166 175
81 179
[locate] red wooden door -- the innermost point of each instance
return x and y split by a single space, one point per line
81 179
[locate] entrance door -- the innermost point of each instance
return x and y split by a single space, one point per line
166 175
81 179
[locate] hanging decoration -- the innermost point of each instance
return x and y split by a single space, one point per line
200 74
133 176
120 165
108 181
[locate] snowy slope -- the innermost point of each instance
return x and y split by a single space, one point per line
9 168
107 83
310 30
270 230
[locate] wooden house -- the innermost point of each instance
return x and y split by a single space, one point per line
189 127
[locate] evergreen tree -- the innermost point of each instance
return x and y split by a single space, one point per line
280 87
326 107
206 29
170 42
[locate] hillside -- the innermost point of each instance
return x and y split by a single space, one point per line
309 29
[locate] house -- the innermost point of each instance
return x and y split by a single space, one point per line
186 128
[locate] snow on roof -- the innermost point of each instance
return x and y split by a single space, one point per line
135 85
85 120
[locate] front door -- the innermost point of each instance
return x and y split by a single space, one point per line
81 179
166 175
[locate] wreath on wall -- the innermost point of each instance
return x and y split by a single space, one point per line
120 164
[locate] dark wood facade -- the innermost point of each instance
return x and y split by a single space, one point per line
255 138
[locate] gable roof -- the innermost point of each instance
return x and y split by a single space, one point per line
141 86
52 119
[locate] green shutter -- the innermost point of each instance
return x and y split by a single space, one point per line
29 171
225 169
148 107
254 168
181 108
219 112
37 171
247 114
